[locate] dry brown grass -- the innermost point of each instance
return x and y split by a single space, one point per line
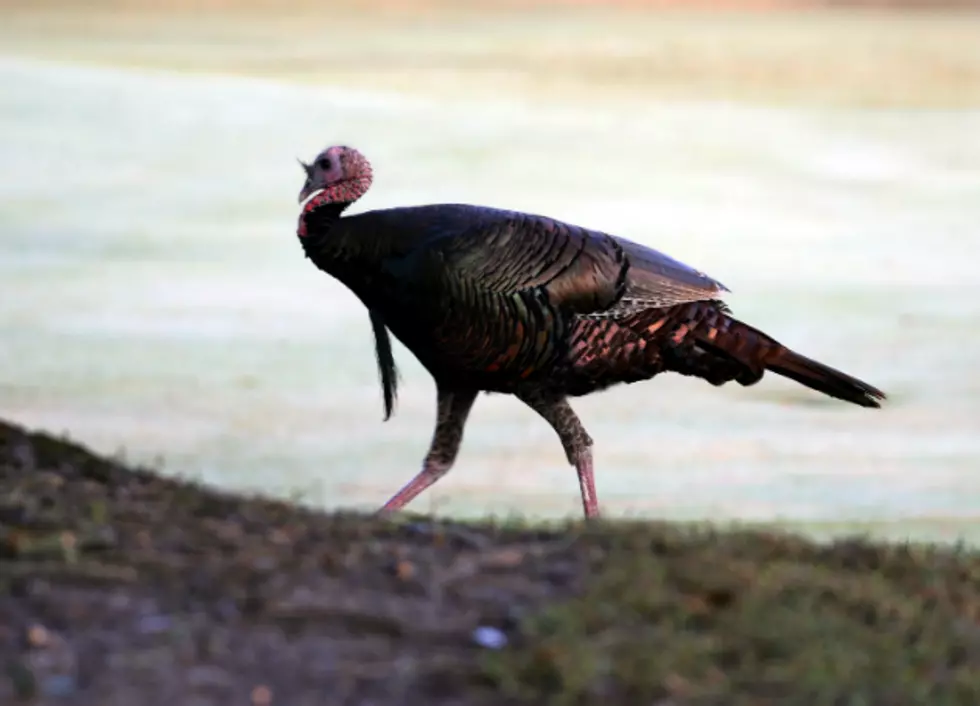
483 6
878 58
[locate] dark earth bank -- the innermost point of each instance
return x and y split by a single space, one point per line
122 587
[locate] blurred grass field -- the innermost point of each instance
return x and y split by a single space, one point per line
823 164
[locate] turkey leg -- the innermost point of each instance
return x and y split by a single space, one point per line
576 441
452 409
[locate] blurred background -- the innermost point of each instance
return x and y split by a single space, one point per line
822 159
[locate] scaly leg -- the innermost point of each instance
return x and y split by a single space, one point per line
576 441
452 409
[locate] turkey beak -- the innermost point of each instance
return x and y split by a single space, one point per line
308 187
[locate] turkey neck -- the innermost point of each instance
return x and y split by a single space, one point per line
329 241
316 229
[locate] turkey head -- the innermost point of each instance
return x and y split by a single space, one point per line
337 175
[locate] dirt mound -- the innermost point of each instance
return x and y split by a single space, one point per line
118 586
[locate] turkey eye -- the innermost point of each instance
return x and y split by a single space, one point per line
323 163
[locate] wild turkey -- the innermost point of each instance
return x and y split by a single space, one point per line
499 301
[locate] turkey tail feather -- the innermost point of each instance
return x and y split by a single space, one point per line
386 363
757 352
822 378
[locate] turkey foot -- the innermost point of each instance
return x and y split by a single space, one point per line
577 443
586 482
452 409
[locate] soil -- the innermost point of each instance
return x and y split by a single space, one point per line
120 586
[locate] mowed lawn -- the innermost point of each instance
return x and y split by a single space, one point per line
822 165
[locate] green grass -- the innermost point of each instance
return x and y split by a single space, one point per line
617 612
751 617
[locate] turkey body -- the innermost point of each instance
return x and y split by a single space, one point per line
501 301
